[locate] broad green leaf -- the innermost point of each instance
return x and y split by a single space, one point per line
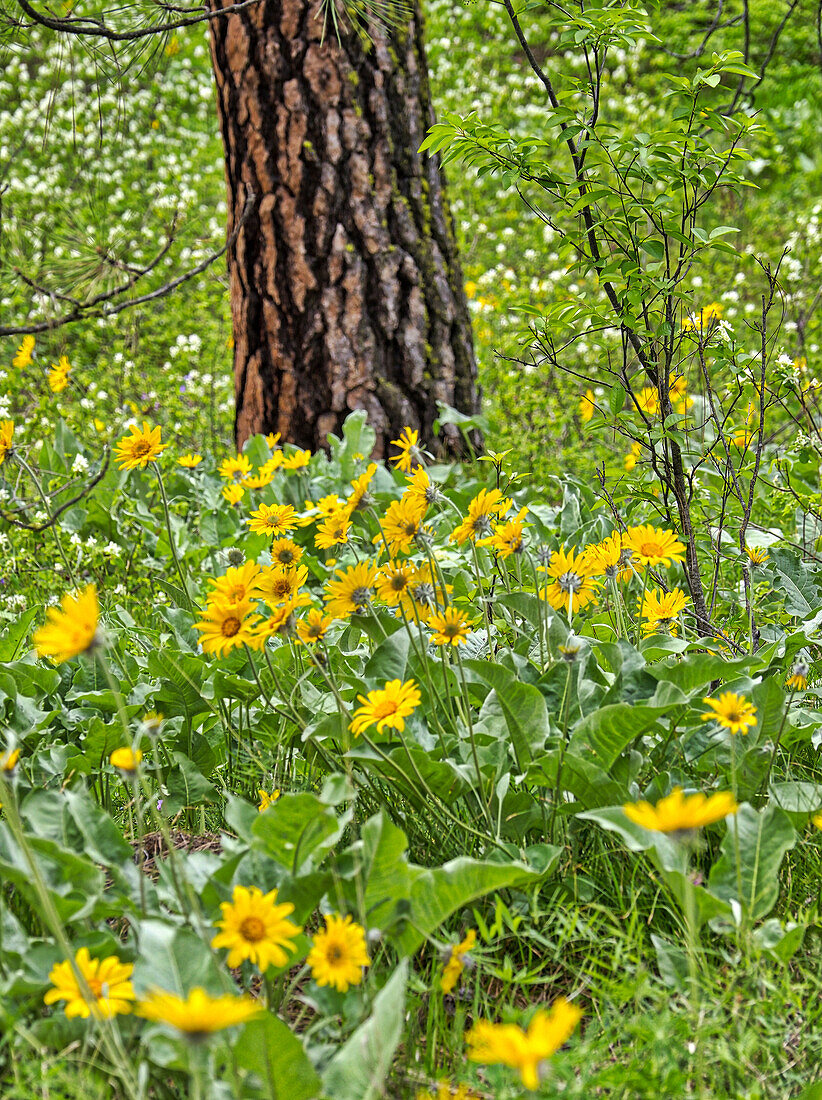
522 707
389 659
268 1049
611 729
764 836
298 830
359 1069
385 869
186 786
796 582
797 798
14 636
175 959
437 893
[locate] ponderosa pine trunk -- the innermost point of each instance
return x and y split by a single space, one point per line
346 288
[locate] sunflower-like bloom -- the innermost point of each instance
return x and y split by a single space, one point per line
58 375
507 538
139 448
424 595
285 552
732 711
451 627
587 406
190 460
757 555
281 621
477 523
393 580
259 480
126 759
272 465
648 401
71 628
235 469
314 627
233 493
352 591
678 392
653 546
256 928
339 953
226 626
572 587
296 460
6 436
197 1015
609 558
274 519
277 583
387 707
266 799
401 525
798 679
455 963
409 450
359 498
325 506
110 992
660 609
24 353
633 456
525 1051
239 582
680 813
421 489
333 529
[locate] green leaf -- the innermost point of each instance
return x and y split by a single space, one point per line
796 583
270 1050
15 634
764 837
523 709
186 786
610 730
437 893
298 830
389 659
359 1069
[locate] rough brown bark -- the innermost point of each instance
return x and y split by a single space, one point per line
346 289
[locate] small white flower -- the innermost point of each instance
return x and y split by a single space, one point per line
79 465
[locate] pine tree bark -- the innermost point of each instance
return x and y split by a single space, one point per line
346 288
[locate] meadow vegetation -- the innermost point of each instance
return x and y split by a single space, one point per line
322 777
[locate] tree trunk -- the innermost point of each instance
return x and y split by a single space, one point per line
346 289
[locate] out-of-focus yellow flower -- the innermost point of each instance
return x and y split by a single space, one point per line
197 1015
71 629
58 375
189 460
587 406
266 799
109 990
233 493
6 436
126 759
455 963
681 813
24 354
525 1051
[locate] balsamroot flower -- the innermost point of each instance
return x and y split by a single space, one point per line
450 628
455 963
6 435
109 990
139 448
352 591
126 759
660 610
386 708
339 954
653 546
681 813
226 626
198 1015
732 711
525 1051
256 928
71 629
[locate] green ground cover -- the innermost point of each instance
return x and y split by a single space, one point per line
453 704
